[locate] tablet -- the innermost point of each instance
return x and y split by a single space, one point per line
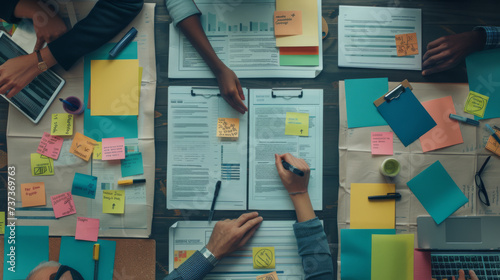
35 98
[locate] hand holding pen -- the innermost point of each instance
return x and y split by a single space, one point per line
293 182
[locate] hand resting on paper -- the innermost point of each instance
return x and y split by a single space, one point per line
461 275
230 88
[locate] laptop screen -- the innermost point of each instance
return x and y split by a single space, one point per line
465 230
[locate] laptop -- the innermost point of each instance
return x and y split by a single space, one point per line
36 97
462 243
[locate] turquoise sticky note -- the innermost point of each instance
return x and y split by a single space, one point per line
84 185
132 165
483 72
29 248
359 97
437 192
83 262
356 252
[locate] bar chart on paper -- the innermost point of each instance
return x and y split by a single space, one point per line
212 24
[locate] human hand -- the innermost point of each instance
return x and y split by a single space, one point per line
230 89
293 183
230 235
17 73
47 29
448 51
461 275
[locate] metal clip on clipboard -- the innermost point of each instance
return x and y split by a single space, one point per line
207 95
394 93
287 89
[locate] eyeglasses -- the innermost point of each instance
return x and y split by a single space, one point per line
62 269
481 190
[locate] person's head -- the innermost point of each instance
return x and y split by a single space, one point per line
53 271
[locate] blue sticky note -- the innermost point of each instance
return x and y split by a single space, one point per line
483 72
359 97
28 247
83 262
407 117
84 185
356 252
132 165
437 192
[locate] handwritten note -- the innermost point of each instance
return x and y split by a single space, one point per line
228 127
61 125
263 257
113 202
493 145
382 143
63 205
476 104
33 194
2 222
180 256
407 44
113 148
287 23
82 146
268 276
41 165
87 229
84 185
132 165
97 154
50 146
297 124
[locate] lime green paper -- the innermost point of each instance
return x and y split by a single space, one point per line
392 256
299 60
476 104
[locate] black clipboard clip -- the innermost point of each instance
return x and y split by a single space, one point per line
394 93
204 94
287 89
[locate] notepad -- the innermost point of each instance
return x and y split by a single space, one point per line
287 23
113 148
132 165
406 44
41 165
63 205
61 125
33 194
392 256
476 104
263 257
372 214
382 143
309 36
113 201
50 146
359 95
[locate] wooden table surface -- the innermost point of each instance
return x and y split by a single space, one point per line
439 18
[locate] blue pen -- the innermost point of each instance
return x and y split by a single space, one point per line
464 120
69 104
123 43
493 133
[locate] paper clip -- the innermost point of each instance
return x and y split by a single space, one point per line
286 96
395 93
204 94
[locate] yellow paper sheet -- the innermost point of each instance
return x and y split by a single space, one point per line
297 124
82 146
372 214
263 257
309 36
180 256
392 256
476 104
97 154
2 222
228 127
61 125
114 87
268 276
33 194
41 165
113 202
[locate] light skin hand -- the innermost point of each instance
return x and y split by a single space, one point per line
230 235
461 275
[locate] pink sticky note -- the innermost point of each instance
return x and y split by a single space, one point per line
382 143
87 229
113 148
422 265
447 131
50 146
63 204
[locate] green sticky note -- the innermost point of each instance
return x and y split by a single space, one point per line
41 165
297 124
299 60
392 256
2 222
476 104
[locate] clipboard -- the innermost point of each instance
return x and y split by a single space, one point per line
404 113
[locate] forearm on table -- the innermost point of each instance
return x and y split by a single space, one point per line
303 207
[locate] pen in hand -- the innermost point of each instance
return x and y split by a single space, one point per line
292 168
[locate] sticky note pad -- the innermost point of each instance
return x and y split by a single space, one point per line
492 144
287 23
309 36
476 104
113 202
87 229
33 194
50 146
114 87
437 192
263 257
382 143
372 214
356 252
132 165
297 124
359 97
97 153
180 256
2 222
268 276
228 127
406 44
113 148
392 256
84 185
61 125
63 205
82 146
41 165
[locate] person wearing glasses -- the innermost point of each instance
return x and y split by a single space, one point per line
53 271
481 190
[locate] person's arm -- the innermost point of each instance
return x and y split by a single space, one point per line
7 8
492 36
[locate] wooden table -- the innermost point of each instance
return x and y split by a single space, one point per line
439 18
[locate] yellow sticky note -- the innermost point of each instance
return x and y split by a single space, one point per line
287 23
406 44
33 194
140 82
297 124
372 214
2 222
114 87
476 104
310 35
61 125
263 257
82 146
268 276
97 154
41 165
180 256
113 202
228 127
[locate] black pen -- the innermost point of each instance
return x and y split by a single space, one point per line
387 196
216 194
292 168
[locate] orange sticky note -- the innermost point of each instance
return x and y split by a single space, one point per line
493 145
406 44
228 127
287 23
180 256
82 146
33 194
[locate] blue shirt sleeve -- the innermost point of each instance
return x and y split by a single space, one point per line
314 250
181 9
492 36
196 267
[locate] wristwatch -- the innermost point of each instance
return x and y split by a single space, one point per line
42 66
209 256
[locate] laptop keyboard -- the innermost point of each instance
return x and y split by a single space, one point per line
485 265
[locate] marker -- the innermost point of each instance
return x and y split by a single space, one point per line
216 194
123 43
292 168
95 256
493 133
464 120
131 181
69 104
387 196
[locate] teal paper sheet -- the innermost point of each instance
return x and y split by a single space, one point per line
78 255
483 72
356 252
359 97
31 248
437 192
